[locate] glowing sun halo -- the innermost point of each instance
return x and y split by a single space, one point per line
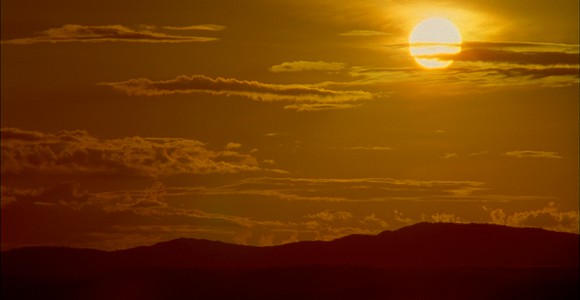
432 40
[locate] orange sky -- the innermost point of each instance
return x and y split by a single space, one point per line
264 122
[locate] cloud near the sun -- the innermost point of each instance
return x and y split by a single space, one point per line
104 33
511 53
77 152
363 32
481 65
296 96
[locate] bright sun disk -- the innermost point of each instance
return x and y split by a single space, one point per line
432 40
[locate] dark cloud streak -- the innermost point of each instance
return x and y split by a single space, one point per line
105 33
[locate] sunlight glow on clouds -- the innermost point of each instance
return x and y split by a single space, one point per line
303 97
549 217
105 143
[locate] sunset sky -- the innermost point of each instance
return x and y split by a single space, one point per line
258 122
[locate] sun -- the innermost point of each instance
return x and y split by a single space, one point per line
433 41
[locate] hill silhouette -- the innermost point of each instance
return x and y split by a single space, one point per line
474 256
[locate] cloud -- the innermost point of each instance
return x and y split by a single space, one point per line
363 33
482 64
467 76
549 217
232 146
319 107
480 153
400 217
348 190
518 57
106 33
64 214
303 97
373 219
533 154
77 152
450 155
517 54
370 148
300 66
446 218
206 27
330 216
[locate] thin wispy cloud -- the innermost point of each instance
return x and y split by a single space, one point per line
370 148
483 76
347 190
300 97
301 66
363 32
202 27
105 33
519 57
450 155
533 154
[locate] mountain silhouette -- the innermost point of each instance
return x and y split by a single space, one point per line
475 254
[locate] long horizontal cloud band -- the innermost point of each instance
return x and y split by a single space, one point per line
513 57
105 33
293 93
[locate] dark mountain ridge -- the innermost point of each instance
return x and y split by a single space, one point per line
421 245
422 261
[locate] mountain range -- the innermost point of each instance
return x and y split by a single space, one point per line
466 254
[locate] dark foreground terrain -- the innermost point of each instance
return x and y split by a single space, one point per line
423 261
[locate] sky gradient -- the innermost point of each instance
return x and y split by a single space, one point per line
265 122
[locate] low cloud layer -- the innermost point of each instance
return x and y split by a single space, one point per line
298 96
77 152
369 148
549 217
106 33
111 220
